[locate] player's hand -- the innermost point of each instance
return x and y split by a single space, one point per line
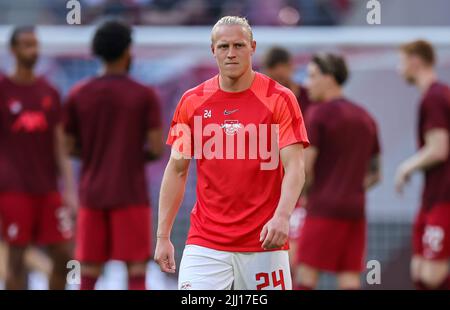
165 255
275 233
70 200
402 177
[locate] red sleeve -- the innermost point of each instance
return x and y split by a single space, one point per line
153 118
180 134
315 126
291 126
435 111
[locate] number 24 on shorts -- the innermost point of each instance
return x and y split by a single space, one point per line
264 277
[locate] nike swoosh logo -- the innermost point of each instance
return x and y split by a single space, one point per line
230 112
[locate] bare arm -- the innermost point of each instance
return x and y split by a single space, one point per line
435 151
275 233
170 198
373 175
311 154
155 144
65 168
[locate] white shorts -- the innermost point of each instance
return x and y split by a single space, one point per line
207 269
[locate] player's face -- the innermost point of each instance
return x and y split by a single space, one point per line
26 49
233 50
282 73
316 83
407 67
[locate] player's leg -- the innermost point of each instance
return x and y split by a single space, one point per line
349 280
55 231
91 244
321 243
435 274
308 277
417 258
131 241
352 250
60 254
262 271
18 217
202 268
434 271
16 275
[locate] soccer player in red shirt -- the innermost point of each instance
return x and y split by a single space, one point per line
278 65
113 123
431 235
240 222
341 164
31 159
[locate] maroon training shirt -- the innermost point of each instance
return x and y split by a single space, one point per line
110 116
435 113
346 138
28 116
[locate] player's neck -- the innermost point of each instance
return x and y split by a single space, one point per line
425 79
332 94
115 68
242 83
23 75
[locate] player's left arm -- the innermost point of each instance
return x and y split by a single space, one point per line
311 154
434 151
275 233
65 168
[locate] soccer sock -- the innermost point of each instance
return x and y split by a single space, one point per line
87 283
136 282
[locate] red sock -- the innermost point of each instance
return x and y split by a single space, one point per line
136 282
301 287
87 283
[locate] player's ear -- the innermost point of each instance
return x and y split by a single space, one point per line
253 44
212 49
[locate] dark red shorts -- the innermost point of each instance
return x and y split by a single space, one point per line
34 219
431 233
333 245
121 234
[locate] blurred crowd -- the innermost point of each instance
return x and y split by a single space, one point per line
181 12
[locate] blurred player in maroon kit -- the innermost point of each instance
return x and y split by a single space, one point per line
113 123
431 236
342 163
31 158
278 65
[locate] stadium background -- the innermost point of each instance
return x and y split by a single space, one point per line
172 53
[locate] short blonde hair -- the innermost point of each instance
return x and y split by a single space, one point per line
233 20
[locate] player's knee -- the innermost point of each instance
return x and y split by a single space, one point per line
16 263
433 273
91 270
349 281
308 276
415 267
60 255
135 269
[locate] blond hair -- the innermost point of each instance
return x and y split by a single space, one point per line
230 21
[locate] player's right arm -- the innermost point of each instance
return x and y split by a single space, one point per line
373 175
170 198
